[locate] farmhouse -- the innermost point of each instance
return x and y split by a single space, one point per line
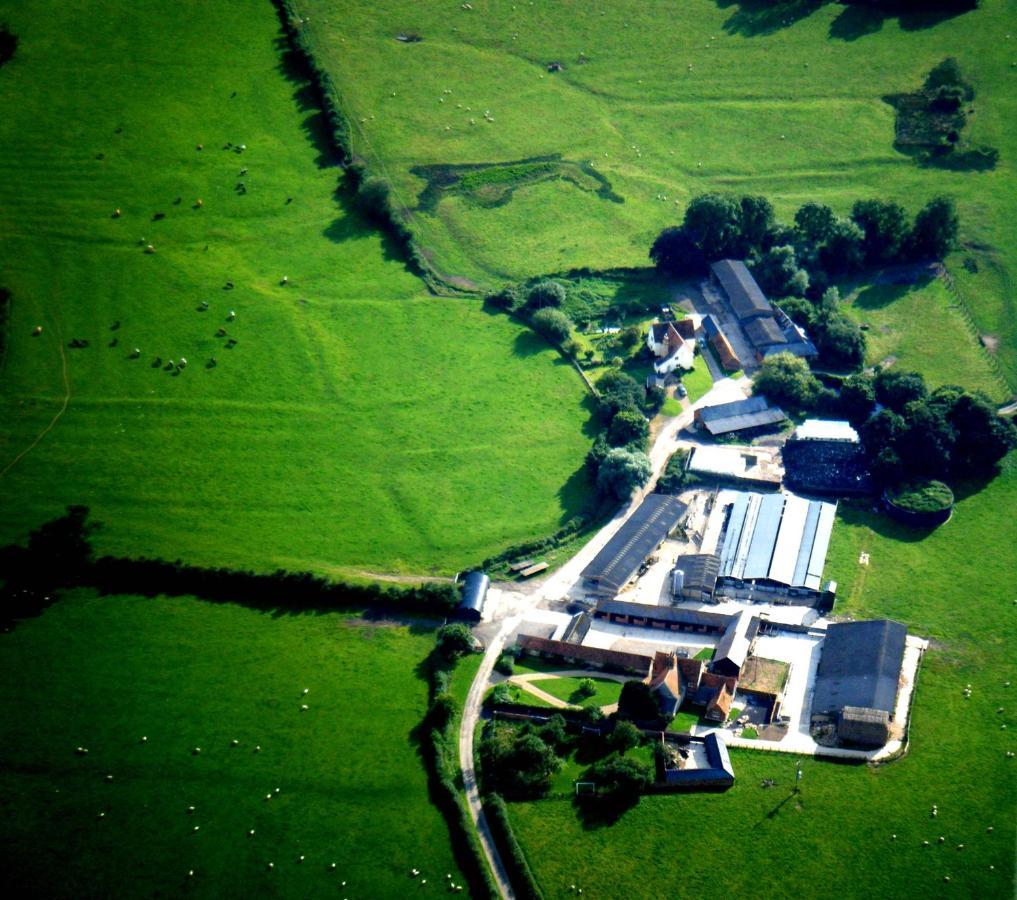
638 538
857 680
776 542
739 415
826 457
749 465
670 349
667 684
694 577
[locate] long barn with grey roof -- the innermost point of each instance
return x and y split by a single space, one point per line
637 539
746 297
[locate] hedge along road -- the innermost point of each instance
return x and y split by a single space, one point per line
510 608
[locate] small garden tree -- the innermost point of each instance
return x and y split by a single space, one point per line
454 640
625 737
545 294
553 324
587 688
935 231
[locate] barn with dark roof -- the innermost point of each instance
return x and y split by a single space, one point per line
858 676
637 539
746 297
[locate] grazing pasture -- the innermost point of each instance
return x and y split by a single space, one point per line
331 415
144 684
945 586
665 101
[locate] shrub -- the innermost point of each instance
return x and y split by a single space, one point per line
628 427
374 199
517 762
618 391
638 703
454 640
553 324
622 472
507 298
506 664
587 688
545 294
674 476
621 778
787 380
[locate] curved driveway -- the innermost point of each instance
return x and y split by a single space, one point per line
554 588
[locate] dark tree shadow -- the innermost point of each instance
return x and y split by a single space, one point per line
856 22
528 343
753 18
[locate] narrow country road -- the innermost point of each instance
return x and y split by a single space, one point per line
554 588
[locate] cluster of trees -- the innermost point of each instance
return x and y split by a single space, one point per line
519 762
59 554
802 259
674 477
946 433
540 306
617 463
840 342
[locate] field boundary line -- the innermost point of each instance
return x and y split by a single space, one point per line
59 413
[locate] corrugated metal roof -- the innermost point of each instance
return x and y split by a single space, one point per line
808 540
817 560
475 586
734 408
637 538
789 539
764 537
745 421
735 525
734 645
826 430
747 298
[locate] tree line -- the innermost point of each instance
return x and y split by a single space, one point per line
59 554
906 429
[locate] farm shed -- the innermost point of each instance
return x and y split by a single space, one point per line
718 340
711 769
825 430
751 465
859 670
695 576
739 415
734 646
776 538
835 466
611 660
474 593
637 539
765 332
745 296
672 618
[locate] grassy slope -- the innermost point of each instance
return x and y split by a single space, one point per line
941 347
653 127
357 423
944 586
102 672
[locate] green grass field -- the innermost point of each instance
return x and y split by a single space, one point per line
946 585
664 101
566 687
103 672
921 329
357 425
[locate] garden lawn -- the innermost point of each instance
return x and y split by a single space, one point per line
357 425
102 672
567 688
699 381
921 329
953 585
667 101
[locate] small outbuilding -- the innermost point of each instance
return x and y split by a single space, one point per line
473 586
